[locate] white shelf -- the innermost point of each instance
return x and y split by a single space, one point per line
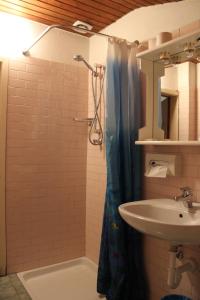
168 143
173 46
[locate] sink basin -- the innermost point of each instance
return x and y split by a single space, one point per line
164 219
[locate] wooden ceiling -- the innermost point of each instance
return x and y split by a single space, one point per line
98 13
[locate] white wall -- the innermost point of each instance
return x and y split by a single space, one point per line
17 33
146 22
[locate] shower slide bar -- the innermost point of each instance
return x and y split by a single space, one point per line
75 28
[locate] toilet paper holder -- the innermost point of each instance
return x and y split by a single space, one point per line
172 162
155 163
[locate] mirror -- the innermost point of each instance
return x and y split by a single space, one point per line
171 74
178 114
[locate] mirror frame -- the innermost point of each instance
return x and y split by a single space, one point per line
152 72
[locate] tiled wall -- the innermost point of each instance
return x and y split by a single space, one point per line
96 183
45 163
95 189
156 251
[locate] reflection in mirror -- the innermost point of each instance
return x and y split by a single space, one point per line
178 101
169 115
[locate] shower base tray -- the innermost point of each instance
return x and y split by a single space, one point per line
74 279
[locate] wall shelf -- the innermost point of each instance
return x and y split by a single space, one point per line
168 143
173 46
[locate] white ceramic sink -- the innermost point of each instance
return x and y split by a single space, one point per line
165 219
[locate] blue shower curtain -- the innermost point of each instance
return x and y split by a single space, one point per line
121 273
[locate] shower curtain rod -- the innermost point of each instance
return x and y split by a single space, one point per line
75 28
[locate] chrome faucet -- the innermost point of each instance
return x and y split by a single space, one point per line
185 197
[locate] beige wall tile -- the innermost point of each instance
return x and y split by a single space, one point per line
45 163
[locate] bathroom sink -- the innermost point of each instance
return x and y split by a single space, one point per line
165 219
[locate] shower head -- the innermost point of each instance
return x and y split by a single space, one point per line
79 57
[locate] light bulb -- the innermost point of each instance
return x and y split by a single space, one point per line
189 50
165 58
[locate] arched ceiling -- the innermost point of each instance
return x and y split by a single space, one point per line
98 13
